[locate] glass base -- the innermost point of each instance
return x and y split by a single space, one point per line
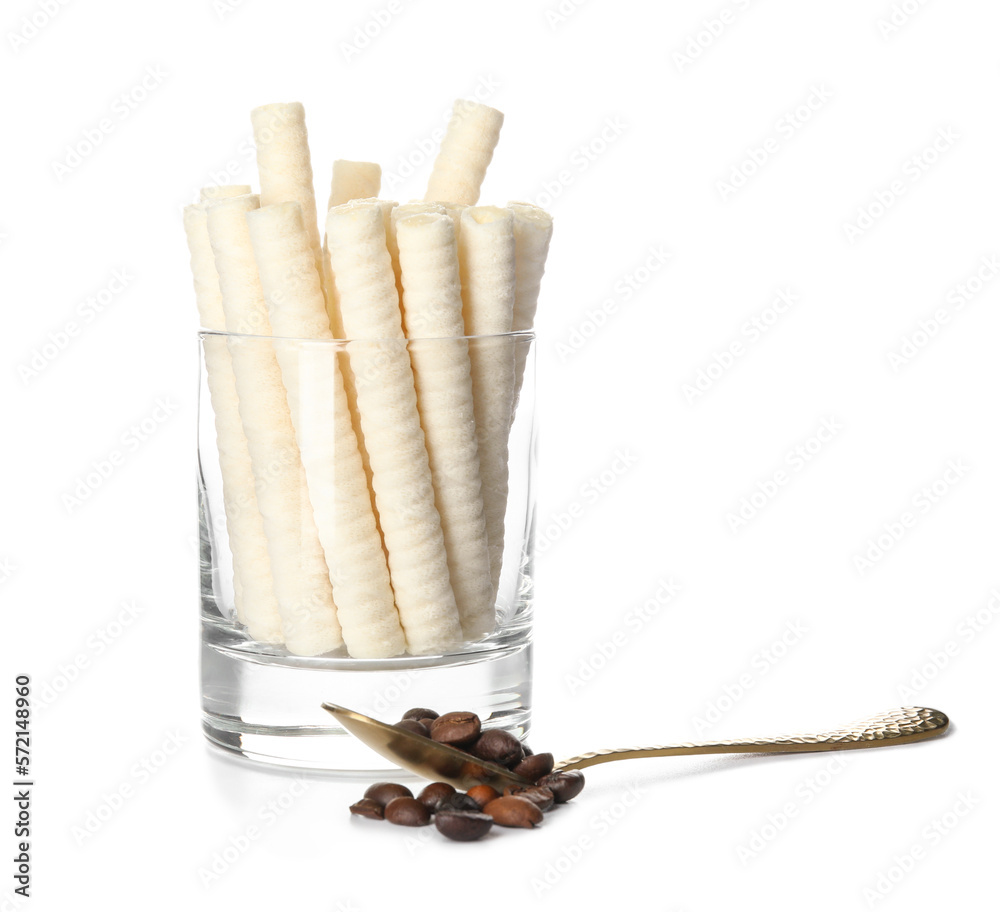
264 705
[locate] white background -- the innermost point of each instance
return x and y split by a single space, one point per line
863 638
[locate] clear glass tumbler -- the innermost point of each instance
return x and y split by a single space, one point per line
432 428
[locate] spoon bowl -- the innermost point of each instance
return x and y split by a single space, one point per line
423 756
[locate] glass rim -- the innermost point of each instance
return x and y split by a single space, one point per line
517 335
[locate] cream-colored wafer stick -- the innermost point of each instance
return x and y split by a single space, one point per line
352 181
532 234
432 311
486 260
301 579
284 165
252 582
223 191
206 280
455 210
411 525
395 213
386 207
413 208
337 324
465 154
338 488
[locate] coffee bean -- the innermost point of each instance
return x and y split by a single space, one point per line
407 812
458 802
498 746
565 785
463 826
368 808
527 750
412 725
538 795
384 792
433 794
511 811
483 794
535 766
473 770
456 728
419 713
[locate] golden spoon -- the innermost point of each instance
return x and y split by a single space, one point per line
442 763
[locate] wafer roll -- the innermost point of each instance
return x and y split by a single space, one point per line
532 234
223 191
337 324
432 310
411 525
395 215
284 165
388 207
301 579
206 279
486 260
455 210
338 488
413 208
256 605
465 154
353 181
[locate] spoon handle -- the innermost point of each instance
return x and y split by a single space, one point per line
897 726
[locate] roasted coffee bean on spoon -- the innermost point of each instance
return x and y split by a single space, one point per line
535 766
412 725
497 746
419 713
456 728
474 769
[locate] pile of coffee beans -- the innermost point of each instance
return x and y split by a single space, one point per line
466 816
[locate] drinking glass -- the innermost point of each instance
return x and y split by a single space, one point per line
261 700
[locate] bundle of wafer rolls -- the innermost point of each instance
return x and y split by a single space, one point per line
365 483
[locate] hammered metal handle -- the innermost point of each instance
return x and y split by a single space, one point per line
897 726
